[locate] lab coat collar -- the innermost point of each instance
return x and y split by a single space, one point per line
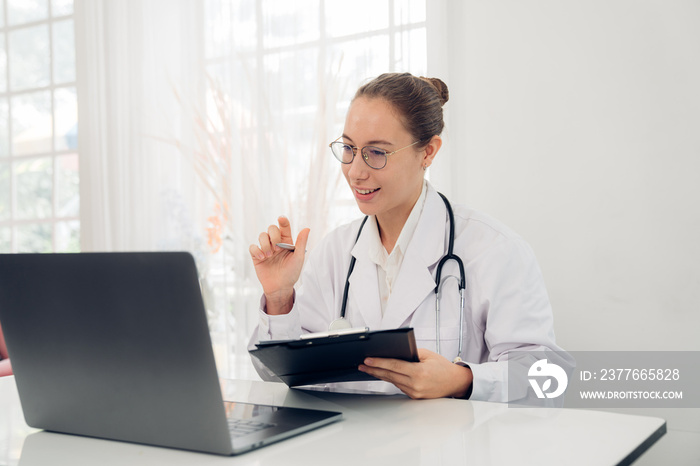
414 282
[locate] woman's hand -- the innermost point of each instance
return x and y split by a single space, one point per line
433 377
279 269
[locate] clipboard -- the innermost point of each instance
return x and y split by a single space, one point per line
334 357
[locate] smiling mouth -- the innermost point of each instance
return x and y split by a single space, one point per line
366 191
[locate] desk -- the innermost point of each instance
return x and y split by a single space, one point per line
375 430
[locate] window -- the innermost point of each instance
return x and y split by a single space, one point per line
39 186
280 76
290 68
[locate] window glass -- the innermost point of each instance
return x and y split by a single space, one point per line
409 11
34 187
30 58
63 52
3 64
26 11
67 186
31 123
66 119
366 58
5 191
288 23
4 135
35 237
291 70
68 236
230 25
411 49
61 7
343 21
5 240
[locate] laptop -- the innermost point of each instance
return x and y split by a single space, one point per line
117 346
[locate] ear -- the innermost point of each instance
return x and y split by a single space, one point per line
431 150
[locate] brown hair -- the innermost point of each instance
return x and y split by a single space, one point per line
417 100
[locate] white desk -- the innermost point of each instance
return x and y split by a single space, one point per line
375 430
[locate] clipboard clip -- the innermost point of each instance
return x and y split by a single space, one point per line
334 333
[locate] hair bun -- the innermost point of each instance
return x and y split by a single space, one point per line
417 101
440 87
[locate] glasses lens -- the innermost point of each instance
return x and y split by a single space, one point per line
374 156
342 152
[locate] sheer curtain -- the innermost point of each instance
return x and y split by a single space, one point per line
133 57
289 70
201 122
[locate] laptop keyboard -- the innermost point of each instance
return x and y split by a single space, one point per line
241 427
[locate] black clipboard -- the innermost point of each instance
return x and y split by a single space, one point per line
334 358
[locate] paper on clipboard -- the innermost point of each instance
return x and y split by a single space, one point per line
335 358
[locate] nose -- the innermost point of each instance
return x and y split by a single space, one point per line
357 169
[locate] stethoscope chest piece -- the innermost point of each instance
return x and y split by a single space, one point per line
340 324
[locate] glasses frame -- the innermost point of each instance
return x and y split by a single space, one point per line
365 157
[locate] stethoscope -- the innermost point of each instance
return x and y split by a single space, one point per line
342 322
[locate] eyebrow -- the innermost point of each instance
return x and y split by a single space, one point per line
370 143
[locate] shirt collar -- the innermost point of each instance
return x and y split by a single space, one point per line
376 250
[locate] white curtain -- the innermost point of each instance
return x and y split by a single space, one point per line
133 58
201 122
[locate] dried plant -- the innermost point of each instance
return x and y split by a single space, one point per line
234 165
211 159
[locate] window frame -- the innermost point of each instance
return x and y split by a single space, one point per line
12 222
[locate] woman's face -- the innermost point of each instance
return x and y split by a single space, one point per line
391 192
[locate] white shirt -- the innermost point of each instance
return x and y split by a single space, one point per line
388 265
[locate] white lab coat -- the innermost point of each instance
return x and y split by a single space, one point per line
506 303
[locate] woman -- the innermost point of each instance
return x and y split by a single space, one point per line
394 124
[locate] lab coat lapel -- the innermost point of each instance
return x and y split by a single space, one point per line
415 281
364 286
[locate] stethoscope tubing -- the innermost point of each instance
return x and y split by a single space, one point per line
447 257
350 269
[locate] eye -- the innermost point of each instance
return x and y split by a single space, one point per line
374 152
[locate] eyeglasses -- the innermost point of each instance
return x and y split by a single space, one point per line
374 157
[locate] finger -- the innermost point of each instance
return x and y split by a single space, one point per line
285 229
407 384
302 239
265 244
396 371
401 382
275 236
392 365
256 252
386 375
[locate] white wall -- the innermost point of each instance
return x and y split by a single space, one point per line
577 123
